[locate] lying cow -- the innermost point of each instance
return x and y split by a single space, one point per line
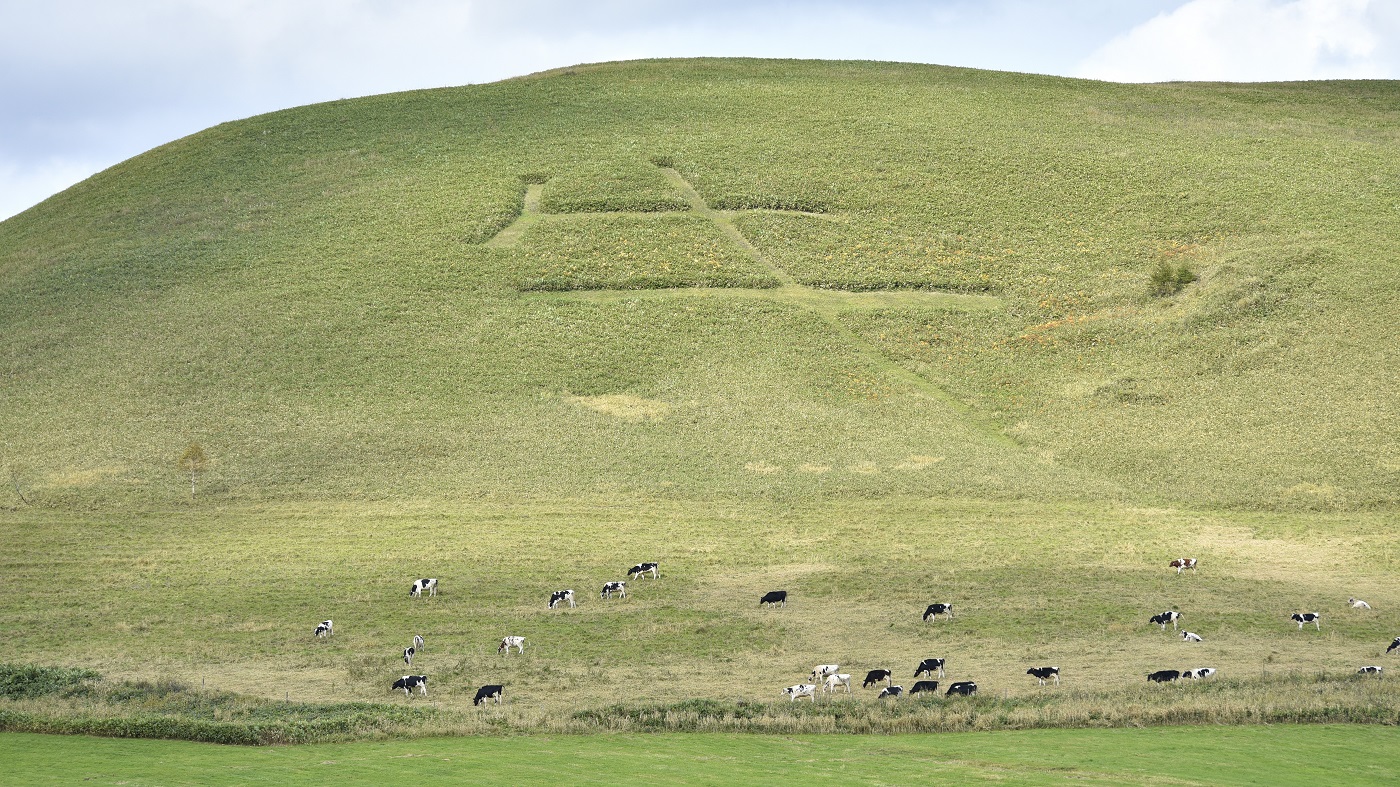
874 676
1356 603
559 596
410 682
801 690
325 629
927 667
964 688
934 610
1190 636
1393 645
420 585
1370 671
930 686
511 642
1043 674
838 679
609 588
778 597
1183 563
1165 618
1302 618
1164 676
1198 673
488 693
641 569
891 691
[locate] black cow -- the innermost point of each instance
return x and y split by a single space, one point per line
930 686
1393 645
934 610
326 628
1044 673
928 666
891 691
875 676
1302 618
1165 618
420 585
637 571
1164 676
965 688
410 682
408 655
778 597
488 693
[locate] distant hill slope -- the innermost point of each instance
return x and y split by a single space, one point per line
917 281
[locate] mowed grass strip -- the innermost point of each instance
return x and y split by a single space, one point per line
1276 755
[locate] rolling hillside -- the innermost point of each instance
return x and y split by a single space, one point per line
322 299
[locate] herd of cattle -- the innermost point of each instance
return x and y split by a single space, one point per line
828 678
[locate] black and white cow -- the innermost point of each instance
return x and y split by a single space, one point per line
822 670
1370 671
964 688
1356 603
928 667
559 596
1303 618
1190 636
838 679
891 691
801 690
1198 673
1165 618
874 676
778 597
410 682
934 610
420 585
408 656
641 569
1393 645
1164 676
489 693
1183 563
325 629
1044 673
609 588
930 686
511 642
417 642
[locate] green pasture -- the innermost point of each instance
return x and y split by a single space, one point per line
1277 755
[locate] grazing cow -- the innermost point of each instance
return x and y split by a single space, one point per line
930 686
417 642
1198 673
1042 673
641 569
875 676
1190 636
891 691
420 585
408 656
511 642
801 690
489 693
1165 618
1164 676
561 595
1302 618
822 670
1370 671
325 629
1183 563
934 610
927 667
965 688
609 588
410 682
1393 645
839 679
1357 603
778 597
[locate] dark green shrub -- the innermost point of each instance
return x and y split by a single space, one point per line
19 681
1168 279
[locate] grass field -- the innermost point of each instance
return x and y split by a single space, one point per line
1279 755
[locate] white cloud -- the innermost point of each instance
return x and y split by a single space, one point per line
1255 40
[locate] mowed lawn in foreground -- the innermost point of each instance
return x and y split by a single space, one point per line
1275 755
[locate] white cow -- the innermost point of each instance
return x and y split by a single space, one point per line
1357 603
801 690
326 629
1198 673
511 642
420 585
839 679
822 670
417 642
1190 637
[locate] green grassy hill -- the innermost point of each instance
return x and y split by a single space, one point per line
315 297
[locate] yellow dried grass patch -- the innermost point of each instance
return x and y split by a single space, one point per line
80 478
763 468
625 407
918 462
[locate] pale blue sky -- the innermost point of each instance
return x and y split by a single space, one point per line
85 84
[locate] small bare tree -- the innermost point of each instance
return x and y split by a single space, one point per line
195 462
14 479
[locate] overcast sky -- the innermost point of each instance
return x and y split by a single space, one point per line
85 84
